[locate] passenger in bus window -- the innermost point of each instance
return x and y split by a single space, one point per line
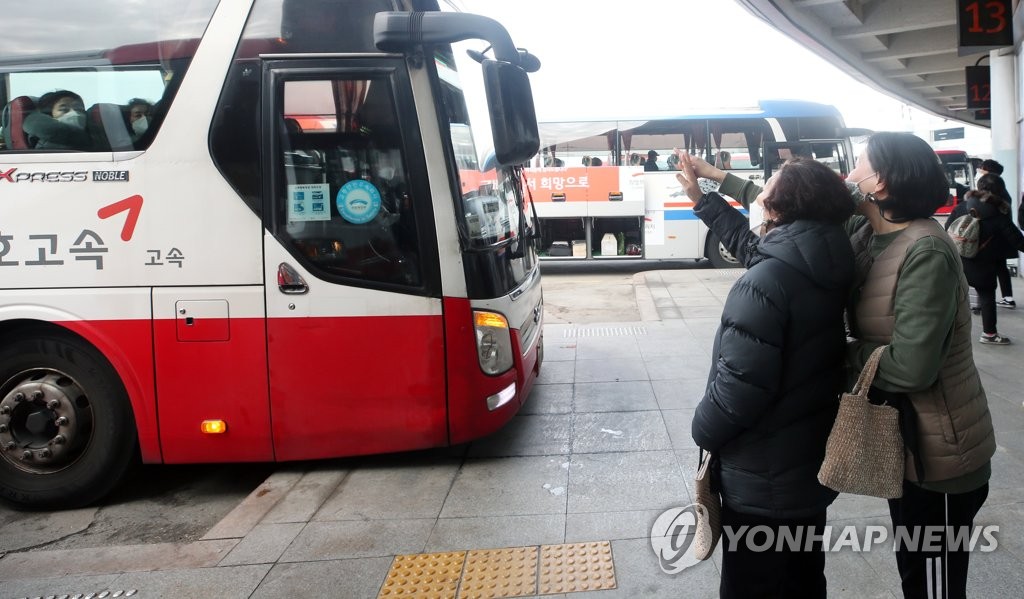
58 122
723 160
595 161
138 111
652 161
773 391
911 294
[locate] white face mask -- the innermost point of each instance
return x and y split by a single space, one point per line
140 125
73 118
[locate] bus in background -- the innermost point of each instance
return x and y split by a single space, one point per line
280 264
960 174
615 207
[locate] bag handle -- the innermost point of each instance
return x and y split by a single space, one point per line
867 376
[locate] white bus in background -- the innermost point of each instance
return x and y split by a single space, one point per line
617 210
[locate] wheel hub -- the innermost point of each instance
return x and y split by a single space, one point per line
44 420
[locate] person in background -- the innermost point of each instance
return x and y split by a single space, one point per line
991 167
595 161
998 238
777 371
723 160
58 122
910 293
651 164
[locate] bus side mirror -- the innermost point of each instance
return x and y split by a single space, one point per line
513 116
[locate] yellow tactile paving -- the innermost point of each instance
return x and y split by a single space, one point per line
424 576
492 573
576 567
500 573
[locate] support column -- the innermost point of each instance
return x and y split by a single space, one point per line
1005 129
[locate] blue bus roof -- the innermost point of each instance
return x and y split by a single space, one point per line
763 109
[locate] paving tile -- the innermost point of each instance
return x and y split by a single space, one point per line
619 431
452 534
526 434
23 532
610 370
638 575
677 422
226 583
1007 412
392 491
627 396
558 349
352 539
549 399
556 372
679 394
508 486
995 574
613 482
355 578
675 344
307 496
120 558
678 367
611 526
63 585
263 545
258 504
598 348
850 575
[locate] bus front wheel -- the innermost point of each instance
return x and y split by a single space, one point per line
715 251
67 434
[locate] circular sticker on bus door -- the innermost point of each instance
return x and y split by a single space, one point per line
358 201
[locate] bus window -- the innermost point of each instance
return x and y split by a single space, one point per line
344 198
125 65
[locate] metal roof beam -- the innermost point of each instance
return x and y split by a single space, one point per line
924 42
938 80
897 17
939 63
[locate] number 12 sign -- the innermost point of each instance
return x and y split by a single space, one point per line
984 24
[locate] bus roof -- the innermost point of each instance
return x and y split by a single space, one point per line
763 109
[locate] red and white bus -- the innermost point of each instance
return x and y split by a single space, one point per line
960 173
289 257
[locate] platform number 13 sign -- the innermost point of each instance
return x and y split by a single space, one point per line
984 24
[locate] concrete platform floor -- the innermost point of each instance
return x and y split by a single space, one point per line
599 451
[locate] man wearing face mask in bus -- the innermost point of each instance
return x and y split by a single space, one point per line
58 123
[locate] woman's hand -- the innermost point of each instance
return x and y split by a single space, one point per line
701 167
688 177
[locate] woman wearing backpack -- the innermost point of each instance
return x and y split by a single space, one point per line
997 236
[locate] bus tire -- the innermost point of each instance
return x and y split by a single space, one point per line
715 251
67 433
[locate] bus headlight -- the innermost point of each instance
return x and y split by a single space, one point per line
493 342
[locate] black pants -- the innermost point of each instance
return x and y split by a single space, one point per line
934 574
1003 274
987 303
748 574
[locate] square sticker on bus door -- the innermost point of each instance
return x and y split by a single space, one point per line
309 202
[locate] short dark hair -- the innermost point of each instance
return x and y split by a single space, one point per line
995 185
47 100
992 166
805 189
912 173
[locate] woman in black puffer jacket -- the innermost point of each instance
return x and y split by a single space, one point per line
777 372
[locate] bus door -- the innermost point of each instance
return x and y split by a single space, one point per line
355 329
